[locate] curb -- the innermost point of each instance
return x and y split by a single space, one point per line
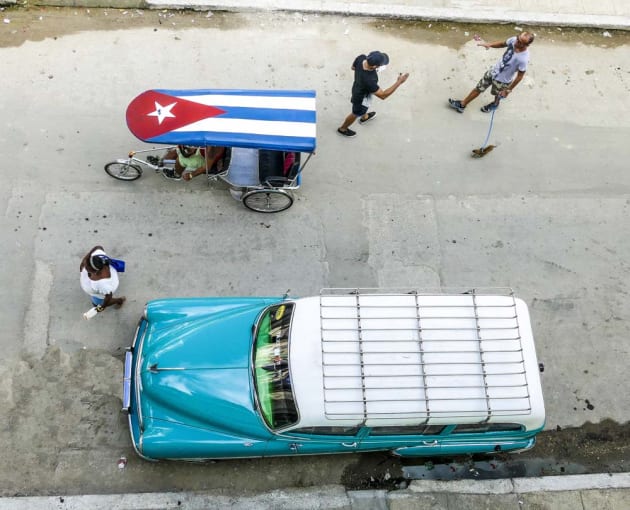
600 481
333 497
479 14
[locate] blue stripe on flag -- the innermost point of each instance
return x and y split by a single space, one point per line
274 114
271 142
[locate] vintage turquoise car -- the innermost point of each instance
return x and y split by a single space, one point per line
348 370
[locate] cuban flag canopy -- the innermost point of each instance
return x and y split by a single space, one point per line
264 119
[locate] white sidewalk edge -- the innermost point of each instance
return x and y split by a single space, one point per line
331 497
572 482
391 10
501 486
523 485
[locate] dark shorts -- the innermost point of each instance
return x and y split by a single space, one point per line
358 109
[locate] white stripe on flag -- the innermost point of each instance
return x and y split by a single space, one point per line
255 127
274 102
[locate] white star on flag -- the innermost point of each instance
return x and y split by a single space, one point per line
161 112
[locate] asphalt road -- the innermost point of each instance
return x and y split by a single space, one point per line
402 203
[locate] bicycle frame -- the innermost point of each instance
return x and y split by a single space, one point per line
157 168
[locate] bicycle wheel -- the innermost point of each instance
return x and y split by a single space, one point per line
267 200
123 171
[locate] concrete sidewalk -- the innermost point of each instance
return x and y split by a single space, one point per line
578 492
611 14
603 14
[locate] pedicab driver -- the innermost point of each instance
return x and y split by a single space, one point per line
191 161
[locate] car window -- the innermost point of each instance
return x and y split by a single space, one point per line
272 376
328 431
415 430
470 428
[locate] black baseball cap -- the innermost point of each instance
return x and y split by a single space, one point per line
377 58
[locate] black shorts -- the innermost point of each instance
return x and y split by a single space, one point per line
359 109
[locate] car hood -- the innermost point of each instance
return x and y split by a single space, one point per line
195 364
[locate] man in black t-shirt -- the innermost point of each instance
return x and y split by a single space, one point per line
365 85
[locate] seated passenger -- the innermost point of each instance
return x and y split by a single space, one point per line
192 161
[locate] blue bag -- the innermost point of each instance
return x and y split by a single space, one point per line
118 265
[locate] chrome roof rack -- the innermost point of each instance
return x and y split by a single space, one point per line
405 354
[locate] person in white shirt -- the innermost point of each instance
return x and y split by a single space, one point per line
504 75
99 279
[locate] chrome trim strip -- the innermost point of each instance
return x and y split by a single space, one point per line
137 378
126 399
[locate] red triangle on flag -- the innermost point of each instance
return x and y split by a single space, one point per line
153 113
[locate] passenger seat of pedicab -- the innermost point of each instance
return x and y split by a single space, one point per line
276 167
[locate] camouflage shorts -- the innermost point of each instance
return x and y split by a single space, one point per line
486 81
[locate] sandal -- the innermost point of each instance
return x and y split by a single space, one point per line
370 116
348 132
169 173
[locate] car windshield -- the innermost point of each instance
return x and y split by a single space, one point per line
272 375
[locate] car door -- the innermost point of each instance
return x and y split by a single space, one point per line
315 440
416 440
485 438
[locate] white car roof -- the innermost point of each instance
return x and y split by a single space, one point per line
379 358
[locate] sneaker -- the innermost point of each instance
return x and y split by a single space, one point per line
370 116
456 105
154 160
169 173
489 107
348 132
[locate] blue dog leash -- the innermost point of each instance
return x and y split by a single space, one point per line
485 143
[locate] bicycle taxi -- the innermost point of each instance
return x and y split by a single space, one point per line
264 132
